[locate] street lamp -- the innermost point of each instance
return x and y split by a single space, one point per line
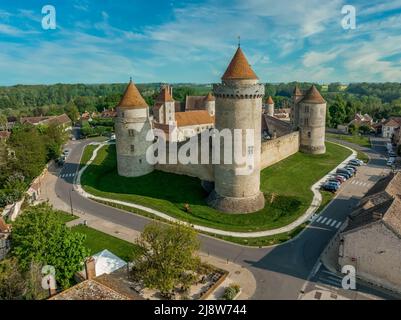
72 210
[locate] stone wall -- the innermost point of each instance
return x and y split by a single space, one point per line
278 149
375 252
201 171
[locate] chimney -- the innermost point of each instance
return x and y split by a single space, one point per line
90 268
171 91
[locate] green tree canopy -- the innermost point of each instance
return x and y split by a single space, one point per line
40 236
29 150
168 256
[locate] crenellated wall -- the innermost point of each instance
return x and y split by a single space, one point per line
278 149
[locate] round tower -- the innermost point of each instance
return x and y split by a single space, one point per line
132 125
238 106
210 104
297 96
312 122
270 106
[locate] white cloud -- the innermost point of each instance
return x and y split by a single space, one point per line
313 58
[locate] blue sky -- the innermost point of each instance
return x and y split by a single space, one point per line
104 41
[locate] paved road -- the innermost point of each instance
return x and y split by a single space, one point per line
280 271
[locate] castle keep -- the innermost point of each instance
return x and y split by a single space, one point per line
236 103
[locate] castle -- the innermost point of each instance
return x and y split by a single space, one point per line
236 103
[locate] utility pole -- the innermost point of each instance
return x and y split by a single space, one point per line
72 210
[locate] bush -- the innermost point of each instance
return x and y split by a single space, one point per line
231 292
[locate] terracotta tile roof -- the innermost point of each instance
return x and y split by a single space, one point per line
239 68
392 122
4 134
191 118
4 227
195 103
164 95
132 98
313 96
90 290
62 119
269 100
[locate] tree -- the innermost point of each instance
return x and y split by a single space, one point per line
3 122
29 150
40 236
167 257
54 137
72 111
12 282
337 112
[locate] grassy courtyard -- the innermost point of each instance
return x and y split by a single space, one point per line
287 183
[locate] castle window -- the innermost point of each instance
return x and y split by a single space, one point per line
140 160
306 109
131 132
132 148
250 150
309 134
306 121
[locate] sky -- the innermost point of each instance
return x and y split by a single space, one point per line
176 41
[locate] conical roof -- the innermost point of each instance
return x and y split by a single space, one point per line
297 92
313 96
210 97
269 100
165 96
239 68
132 98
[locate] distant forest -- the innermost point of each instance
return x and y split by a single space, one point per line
380 100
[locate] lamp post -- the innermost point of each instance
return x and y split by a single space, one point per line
72 210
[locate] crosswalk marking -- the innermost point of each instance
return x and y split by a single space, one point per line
333 223
324 219
328 222
67 175
318 219
338 225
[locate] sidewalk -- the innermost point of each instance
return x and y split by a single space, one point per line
316 201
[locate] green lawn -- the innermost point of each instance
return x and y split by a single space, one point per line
290 181
359 140
97 241
87 154
64 216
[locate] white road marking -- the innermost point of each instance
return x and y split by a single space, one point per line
324 219
328 222
333 223
338 225
318 219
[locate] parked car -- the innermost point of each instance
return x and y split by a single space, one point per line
66 152
347 173
341 178
355 162
392 154
334 181
330 187
352 167
344 176
390 161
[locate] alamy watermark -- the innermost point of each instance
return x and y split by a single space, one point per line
349 280
49 20
349 19
238 148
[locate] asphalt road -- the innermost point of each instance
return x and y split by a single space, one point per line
280 271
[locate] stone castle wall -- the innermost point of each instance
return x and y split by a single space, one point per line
278 149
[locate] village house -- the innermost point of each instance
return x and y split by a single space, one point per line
61 120
389 126
371 239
